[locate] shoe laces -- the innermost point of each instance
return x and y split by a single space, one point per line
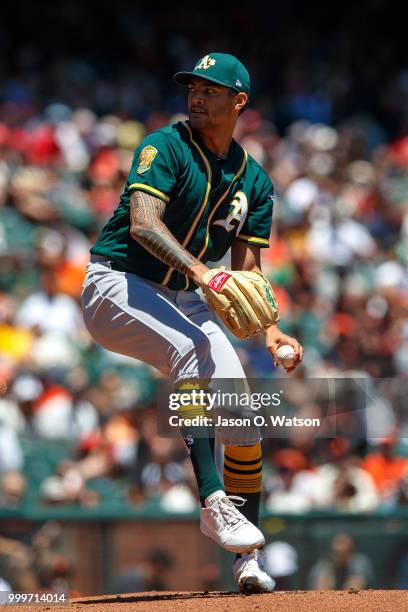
256 556
227 508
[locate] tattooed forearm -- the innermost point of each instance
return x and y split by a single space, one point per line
147 228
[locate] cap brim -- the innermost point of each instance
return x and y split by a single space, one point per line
183 78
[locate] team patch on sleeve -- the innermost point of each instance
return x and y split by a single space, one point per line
146 159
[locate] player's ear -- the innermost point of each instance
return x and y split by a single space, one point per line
241 101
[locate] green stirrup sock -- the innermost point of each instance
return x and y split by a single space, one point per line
201 450
243 477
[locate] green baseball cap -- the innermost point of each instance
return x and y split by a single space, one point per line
220 68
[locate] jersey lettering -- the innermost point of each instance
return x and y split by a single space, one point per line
238 213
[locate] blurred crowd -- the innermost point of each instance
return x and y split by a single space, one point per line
335 144
35 561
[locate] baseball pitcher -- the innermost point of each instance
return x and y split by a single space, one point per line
192 194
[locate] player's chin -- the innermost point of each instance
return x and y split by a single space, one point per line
199 120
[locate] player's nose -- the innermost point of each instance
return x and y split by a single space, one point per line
197 106
196 98
196 103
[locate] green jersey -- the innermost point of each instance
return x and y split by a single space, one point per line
210 203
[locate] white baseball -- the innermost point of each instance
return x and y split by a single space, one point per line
285 355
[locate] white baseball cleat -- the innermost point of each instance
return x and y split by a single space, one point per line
251 574
222 522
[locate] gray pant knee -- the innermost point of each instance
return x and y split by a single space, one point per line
195 360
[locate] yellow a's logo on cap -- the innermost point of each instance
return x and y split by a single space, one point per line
205 63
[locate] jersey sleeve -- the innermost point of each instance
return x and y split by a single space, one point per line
257 227
154 167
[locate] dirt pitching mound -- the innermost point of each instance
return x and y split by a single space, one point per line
280 601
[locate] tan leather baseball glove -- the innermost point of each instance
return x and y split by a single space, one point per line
244 301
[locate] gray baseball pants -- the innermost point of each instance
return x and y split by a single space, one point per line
173 331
